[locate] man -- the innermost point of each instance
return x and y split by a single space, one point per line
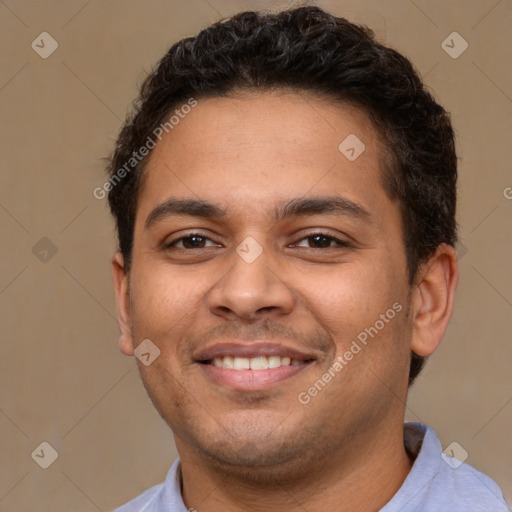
285 203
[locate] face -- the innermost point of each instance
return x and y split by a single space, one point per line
269 269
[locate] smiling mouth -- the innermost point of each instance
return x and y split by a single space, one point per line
252 366
254 363
247 374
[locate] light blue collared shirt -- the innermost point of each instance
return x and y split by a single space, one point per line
436 483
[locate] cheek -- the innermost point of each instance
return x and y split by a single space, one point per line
349 296
363 310
162 298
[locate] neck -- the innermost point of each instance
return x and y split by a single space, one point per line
364 476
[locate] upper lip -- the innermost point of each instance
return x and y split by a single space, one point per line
250 350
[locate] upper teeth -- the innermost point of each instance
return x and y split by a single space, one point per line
254 363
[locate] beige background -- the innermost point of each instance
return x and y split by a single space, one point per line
62 378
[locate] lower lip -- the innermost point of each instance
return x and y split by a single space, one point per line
250 380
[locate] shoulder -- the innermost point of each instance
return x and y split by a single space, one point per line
438 482
468 488
167 494
142 501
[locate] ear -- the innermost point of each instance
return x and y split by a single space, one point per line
432 299
122 303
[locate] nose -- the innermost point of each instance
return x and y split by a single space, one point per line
250 290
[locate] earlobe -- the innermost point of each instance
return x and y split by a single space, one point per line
432 300
122 304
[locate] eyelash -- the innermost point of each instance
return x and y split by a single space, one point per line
339 243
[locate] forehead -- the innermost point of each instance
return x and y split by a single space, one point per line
250 151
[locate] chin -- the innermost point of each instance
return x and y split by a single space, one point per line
257 453
244 461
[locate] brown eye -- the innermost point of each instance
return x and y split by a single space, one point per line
191 241
321 241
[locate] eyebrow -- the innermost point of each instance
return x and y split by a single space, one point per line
331 205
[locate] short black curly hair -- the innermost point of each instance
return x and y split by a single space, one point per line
307 49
